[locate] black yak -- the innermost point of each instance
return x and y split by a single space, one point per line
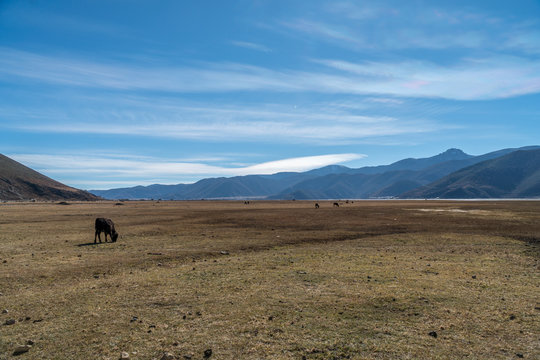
106 226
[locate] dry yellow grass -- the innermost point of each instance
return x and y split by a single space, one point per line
368 280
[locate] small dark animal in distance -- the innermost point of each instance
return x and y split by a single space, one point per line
106 226
316 205
336 205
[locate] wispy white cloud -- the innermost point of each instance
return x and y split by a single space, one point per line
353 10
471 79
254 131
321 123
383 26
325 31
389 101
251 46
110 169
299 164
524 40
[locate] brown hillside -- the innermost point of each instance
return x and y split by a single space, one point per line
18 182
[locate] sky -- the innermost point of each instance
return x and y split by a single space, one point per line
104 94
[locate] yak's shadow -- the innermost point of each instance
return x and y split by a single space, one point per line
93 243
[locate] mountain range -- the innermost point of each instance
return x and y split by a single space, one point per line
18 182
451 174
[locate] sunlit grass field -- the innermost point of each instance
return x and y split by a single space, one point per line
272 280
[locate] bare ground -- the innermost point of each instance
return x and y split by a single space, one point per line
272 280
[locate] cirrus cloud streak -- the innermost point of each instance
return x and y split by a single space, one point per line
469 79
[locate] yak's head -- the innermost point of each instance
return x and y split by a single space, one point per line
114 236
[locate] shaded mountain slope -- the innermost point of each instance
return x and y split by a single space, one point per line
515 175
18 182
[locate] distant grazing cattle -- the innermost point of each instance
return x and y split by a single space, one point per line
246 202
336 205
106 226
316 205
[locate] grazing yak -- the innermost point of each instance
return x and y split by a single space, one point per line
336 204
316 205
106 226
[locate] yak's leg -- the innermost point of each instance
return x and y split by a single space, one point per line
96 236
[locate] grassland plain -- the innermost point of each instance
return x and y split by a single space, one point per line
272 280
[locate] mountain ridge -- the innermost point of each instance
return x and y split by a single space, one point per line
329 182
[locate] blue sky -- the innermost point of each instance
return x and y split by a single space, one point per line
103 94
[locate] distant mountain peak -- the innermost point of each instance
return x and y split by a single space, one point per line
453 154
454 151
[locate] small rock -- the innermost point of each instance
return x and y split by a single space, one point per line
519 355
433 333
30 342
21 349
133 319
224 252
167 356
96 276
270 318
187 357
207 353
159 264
512 317
5 311
124 355
27 318
10 322
474 276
